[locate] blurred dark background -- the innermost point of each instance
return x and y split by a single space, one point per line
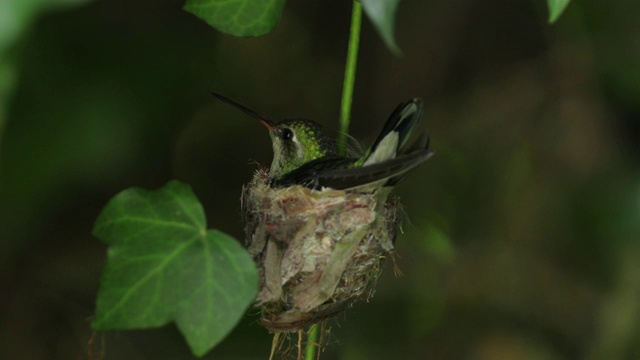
522 237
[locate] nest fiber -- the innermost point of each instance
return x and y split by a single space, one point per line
317 251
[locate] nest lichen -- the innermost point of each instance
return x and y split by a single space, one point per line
317 251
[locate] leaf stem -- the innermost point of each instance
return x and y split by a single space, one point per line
349 76
312 342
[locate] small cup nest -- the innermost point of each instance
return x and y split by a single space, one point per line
317 251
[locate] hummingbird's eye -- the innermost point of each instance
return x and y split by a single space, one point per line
287 134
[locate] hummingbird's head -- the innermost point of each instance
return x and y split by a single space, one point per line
296 142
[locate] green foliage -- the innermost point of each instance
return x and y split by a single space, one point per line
238 17
164 265
382 14
15 18
258 17
556 7
17 15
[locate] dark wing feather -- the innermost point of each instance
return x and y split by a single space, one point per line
357 176
326 173
307 174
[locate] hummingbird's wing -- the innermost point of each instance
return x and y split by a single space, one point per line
307 174
359 177
334 173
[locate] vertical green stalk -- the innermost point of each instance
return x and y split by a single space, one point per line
345 117
349 76
312 342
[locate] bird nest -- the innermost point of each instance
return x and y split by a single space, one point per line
317 251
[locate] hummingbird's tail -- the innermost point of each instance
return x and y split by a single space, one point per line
393 141
395 135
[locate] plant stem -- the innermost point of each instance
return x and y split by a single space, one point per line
349 76
345 117
312 342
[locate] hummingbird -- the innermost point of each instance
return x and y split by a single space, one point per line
304 154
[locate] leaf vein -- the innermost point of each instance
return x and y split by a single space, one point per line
133 288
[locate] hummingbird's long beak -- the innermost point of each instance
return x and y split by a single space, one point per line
266 122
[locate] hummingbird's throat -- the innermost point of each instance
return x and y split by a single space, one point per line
287 156
282 164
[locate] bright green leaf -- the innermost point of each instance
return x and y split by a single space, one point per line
556 7
163 266
382 14
238 17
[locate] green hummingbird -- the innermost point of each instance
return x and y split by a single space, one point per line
304 154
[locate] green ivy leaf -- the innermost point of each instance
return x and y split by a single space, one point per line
163 265
382 14
238 17
556 7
